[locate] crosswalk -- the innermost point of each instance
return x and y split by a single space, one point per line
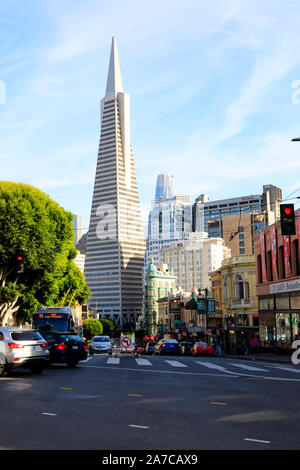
223 367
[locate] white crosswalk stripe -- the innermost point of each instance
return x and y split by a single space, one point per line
176 363
143 362
244 366
290 369
113 360
210 365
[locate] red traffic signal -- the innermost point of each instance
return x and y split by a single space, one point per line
20 258
287 219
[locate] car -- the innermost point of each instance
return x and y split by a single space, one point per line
100 344
149 348
202 348
185 348
65 347
140 350
22 347
167 346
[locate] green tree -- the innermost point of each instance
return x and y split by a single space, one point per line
92 327
36 228
108 325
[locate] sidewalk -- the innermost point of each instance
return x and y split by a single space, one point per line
265 357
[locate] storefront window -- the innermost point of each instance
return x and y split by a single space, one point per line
283 330
295 300
282 301
266 303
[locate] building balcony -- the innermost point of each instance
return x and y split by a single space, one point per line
241 303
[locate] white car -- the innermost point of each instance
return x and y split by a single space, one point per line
20 347
100 344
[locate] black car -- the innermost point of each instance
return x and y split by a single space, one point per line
186 348
65 347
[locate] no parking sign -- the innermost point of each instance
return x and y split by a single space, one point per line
127 342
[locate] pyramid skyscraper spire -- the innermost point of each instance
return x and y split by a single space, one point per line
114 78
115 241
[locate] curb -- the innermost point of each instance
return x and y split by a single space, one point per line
260 359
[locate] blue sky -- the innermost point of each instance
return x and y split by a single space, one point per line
211 86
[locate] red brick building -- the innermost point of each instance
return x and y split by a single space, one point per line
278 286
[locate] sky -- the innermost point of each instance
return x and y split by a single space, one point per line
214 89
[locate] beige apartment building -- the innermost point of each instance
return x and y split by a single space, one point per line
193 258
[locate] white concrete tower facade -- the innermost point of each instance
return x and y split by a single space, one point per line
115 242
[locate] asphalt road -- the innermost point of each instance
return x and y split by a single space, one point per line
162 403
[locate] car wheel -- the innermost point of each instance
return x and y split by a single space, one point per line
37 369
3 370
72 363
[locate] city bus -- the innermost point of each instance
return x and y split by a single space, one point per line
56 319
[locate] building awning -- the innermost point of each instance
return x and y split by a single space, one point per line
192 304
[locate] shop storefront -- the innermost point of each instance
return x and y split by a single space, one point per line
279 320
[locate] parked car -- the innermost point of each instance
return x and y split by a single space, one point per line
167 346
100 344
140 349
149 348
22 348
202 348
65 347
185 348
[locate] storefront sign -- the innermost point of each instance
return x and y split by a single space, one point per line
287 286
287 253
274 252
263 256
201 303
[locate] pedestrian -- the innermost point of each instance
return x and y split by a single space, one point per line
255 344
245 348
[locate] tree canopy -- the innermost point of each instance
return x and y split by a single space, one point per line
39 231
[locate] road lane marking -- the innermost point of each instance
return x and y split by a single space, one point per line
134 395
143 362
233 375
244 366
257 440
289 369
49 414
113 360
137 426
176 364
65 388
217 403
210 365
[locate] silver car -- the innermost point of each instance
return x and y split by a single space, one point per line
100 344
20 347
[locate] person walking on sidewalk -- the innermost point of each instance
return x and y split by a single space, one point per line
255 345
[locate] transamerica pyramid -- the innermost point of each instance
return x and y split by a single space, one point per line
115 241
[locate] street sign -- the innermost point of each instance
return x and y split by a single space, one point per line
127 343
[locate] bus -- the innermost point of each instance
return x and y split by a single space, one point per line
56 319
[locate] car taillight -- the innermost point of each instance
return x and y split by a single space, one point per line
85 347
44 345
60 347
15 346
163 345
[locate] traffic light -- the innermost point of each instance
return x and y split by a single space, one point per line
287 219
20 262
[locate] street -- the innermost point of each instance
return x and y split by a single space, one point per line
152 402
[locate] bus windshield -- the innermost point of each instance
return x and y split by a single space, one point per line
54 324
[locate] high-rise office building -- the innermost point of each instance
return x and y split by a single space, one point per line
170 219
77 228
164 187
115 242
238 219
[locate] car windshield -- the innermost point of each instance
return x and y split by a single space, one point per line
26 336
101 339
66 338
171 341
204 345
